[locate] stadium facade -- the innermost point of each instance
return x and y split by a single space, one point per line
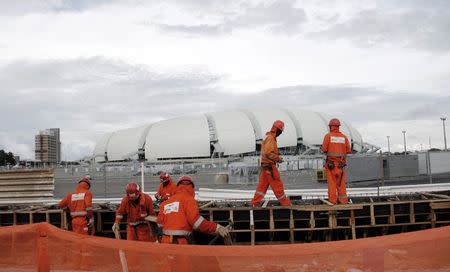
220 134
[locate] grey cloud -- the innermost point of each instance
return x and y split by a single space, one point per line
23 7
405 24
277 16
89 97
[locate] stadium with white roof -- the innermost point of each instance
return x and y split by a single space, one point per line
220 134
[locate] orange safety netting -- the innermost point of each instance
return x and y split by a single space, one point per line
43 247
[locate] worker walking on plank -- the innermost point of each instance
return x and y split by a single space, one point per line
269 174
166 188
336 146
79 204
136 205
179 216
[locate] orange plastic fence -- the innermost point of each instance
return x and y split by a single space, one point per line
43 247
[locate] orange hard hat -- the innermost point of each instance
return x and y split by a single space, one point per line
87 180
334 123
164 177
186 180
133 190
278 124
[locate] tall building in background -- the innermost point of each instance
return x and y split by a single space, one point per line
48 146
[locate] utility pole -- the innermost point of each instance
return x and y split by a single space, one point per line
404 141
445 136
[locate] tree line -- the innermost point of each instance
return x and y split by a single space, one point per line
6 158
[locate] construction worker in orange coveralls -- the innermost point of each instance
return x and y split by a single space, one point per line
79 204
336 146
136 205
166 188
269 174
179 216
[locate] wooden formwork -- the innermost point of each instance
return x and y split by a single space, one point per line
306 221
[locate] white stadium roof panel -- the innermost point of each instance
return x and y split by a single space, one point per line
124 144
101 146
265 119
234 132
184 137
312 125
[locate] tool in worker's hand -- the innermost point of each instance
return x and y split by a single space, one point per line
123 258
226 240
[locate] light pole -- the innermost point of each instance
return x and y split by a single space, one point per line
445 136
404 141
389 145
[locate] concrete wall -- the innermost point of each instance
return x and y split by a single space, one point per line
401 166
360 168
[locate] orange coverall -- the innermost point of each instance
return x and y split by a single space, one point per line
269 174
336 146
179 216
79 204
166 190
136 211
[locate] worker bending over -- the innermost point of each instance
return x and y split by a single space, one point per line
79 204
166 188
179 216
336 146
136 205
269 174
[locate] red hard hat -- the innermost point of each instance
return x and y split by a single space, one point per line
185 180
164 177
279 125
87 180
133 190
334 122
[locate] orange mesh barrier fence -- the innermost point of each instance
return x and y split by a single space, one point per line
43 247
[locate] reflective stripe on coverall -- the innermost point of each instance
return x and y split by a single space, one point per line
269 174
336 146
79 204
136 211
179 216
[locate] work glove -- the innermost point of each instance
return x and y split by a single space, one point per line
222 231
91 222
280 160
116 227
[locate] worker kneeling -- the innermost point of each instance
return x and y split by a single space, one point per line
136 205
179 216
336 146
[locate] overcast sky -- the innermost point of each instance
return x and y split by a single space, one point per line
94 66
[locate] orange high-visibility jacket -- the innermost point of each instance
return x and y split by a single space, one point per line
79 202
166 191
336 145
269 149
136 210
180 215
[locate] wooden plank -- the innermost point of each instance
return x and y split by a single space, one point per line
14 218
412 216
392 214
207 205
252 229
437 195
291 227
352 224
340 207
312 221
440 205
372 215
332 222
326 202
271 222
